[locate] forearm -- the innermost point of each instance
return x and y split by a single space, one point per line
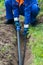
27 19
15 8
27 15
16 17
16 11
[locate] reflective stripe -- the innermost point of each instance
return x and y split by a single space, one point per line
26 25
16 19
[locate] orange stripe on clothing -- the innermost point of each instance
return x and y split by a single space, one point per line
20 1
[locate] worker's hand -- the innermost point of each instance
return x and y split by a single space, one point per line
25 31
26 28
17 25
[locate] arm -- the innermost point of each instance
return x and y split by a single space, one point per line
15 7
27 18
16 14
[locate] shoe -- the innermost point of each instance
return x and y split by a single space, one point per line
11 21
34 23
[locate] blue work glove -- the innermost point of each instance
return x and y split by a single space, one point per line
26 30
17 25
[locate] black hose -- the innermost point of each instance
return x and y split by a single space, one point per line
19 49
25 41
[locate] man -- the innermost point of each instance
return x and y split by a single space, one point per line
28 8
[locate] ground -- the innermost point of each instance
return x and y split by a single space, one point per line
8 44
36 43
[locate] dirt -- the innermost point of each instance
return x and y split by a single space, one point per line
40 19
8 46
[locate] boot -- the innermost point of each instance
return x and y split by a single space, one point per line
34 23
11 21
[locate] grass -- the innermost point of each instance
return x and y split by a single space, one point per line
36 43
2 4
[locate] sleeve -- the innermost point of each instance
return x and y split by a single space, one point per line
35 1
16 11
15 7
27 15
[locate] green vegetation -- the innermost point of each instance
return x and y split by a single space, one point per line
41 4
36 42
1 3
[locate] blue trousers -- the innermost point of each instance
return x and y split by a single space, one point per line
29 12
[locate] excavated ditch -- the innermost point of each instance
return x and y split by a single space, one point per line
8 46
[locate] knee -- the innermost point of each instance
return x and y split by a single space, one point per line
35 9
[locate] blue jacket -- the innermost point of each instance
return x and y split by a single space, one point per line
26 2
30 2
25 10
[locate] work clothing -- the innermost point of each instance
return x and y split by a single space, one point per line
28 8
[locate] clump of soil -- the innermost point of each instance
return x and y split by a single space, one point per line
40 19
8 46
